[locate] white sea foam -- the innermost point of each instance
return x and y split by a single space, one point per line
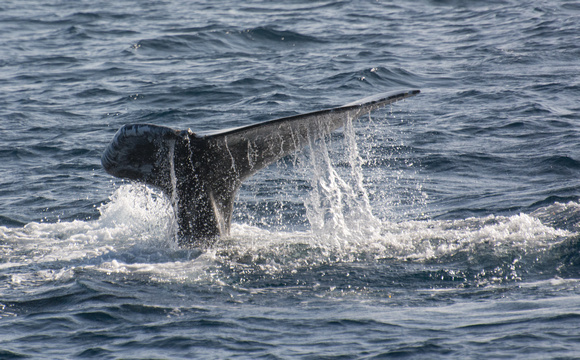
134 236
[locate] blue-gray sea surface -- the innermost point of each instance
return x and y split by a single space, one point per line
450 227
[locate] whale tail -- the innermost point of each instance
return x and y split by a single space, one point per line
202 174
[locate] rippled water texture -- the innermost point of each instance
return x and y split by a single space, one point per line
445 226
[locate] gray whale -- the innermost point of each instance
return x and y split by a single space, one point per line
201 174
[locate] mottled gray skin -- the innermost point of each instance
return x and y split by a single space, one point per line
201 174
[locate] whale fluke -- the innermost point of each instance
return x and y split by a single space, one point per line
201 174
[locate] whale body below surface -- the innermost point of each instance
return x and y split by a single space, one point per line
202 174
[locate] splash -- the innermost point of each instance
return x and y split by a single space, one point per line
136 226
347 225
135 235
141 213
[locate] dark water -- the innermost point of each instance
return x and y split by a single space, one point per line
448 229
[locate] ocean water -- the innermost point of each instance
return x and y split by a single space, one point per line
444 226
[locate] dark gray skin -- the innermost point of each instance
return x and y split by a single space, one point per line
202 174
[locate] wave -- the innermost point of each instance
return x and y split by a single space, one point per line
207 40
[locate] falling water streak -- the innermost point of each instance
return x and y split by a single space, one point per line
230 153
171 155
338 206
312 203
174 195
364 221
333 187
